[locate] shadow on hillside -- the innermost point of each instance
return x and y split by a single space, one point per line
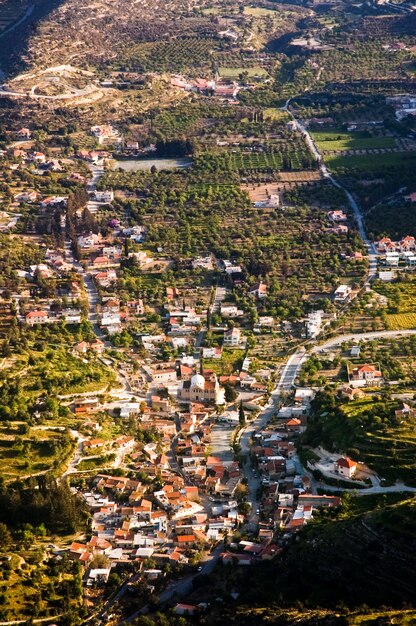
13 43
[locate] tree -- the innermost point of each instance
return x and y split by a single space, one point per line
241 415
6 539
230 393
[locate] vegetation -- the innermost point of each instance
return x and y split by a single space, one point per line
368 430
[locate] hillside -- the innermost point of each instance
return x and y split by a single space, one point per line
361 558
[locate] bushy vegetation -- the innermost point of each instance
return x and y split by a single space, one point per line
367 430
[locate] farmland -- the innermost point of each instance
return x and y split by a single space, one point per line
370 162
401 303
236 72
401 321
334 141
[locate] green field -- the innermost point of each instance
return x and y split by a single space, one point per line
401 321
276 114
260 12
268 161
234 72
338 141
370 162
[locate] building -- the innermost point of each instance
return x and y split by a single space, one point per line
199 389
104 196
87 405
232 337
346 467
259 290
164 376
314 324
337 216
37 317
342 294
23 133
363 375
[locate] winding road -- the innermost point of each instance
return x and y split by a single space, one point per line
310 142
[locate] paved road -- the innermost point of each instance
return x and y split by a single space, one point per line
290 372
336 341
286 382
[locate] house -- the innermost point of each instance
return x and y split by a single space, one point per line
211 353
88 241
131 146
337 216
407 244
82 347
339 229
98 576
172 293
355 351
385 245
313 324
37 317
92 444
53 201
294 426
404 410
38 157
346 467
232 337
111 306
365 375
160 404
185 609
106 278
104 196
164 376
87 405
101 261
136 306
259 290
54 166
104 132
23 133
342 293
351 393
185 541
97 346
226 90
72 316
26 196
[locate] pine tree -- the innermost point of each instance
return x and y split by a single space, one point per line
241 415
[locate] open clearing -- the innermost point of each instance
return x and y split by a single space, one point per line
336 141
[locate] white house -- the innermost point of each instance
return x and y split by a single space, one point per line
104 196
232 337
342 293
37 317
346 467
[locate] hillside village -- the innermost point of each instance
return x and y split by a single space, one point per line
207 311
